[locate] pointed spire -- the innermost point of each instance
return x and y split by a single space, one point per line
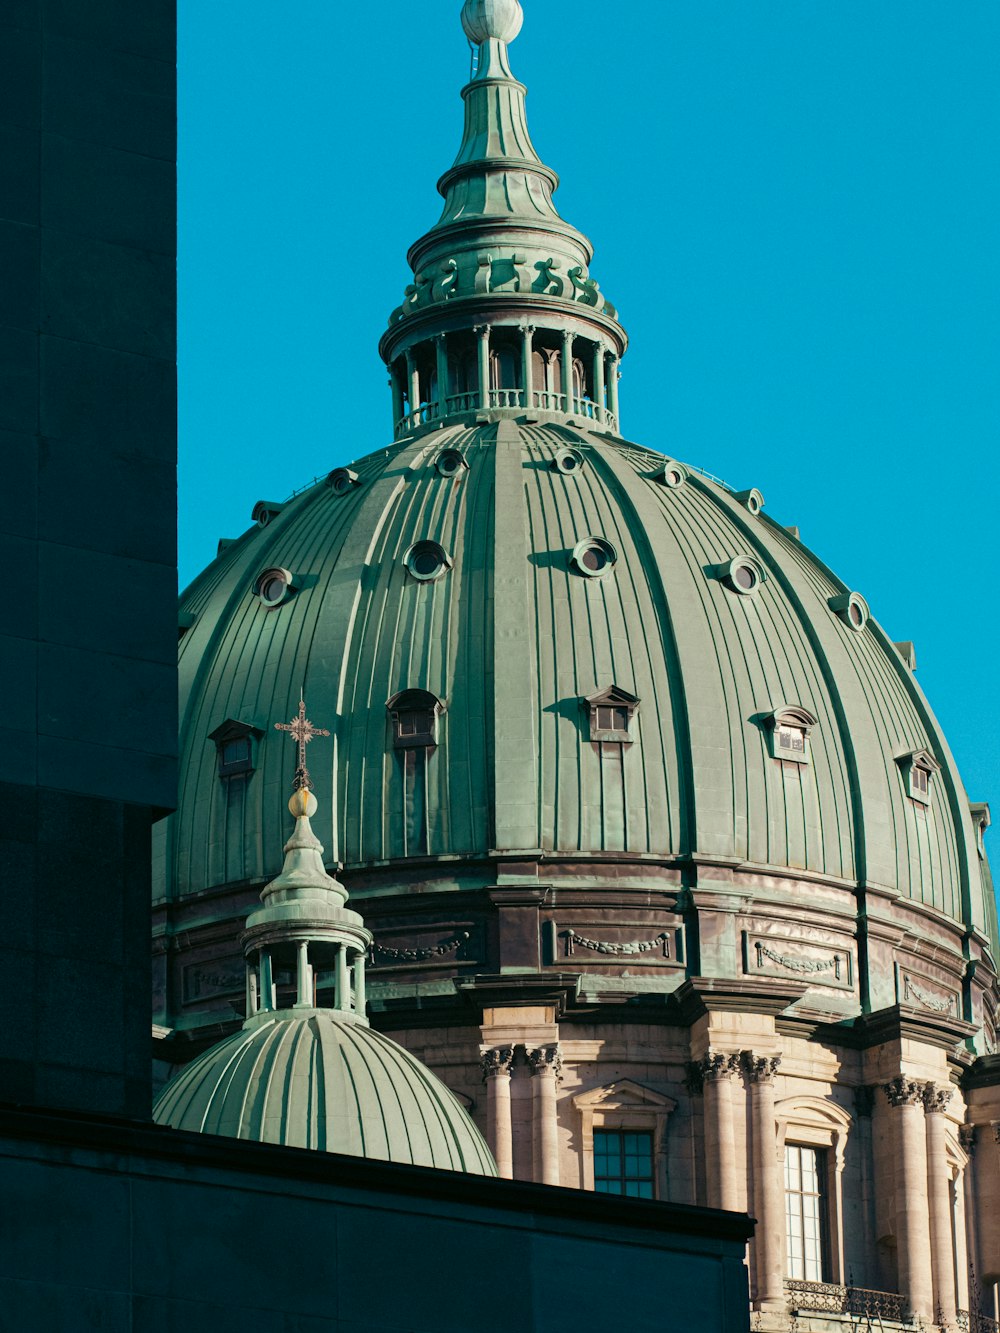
502 314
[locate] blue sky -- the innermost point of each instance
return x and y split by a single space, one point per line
794 205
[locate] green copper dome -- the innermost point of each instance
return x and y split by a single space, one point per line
313 1080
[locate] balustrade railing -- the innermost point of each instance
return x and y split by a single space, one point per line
506 398
546 400
462 402
831 1298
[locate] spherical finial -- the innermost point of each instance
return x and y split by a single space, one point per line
483 19
303 802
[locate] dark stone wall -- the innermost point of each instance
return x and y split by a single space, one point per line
87 535
155 1231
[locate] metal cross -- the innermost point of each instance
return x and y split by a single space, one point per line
303 732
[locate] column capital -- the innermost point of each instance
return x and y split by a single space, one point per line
759 1068
481 330
967 1138
903 1091
496 1060
545 1060
935 1099
713 1067
440 338
995 1126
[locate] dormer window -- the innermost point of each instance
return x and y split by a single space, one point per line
611 712
236 747
789 727
414 715
918 768
981 821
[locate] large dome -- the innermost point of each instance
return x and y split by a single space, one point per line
317 1080
516 634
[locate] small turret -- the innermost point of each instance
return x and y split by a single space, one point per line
503 316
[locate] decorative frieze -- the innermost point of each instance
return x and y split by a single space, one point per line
659 944
213 978
422 955
922 992
496 1061
785 956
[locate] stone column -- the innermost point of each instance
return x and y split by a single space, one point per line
413 386
304 992
483 333
496 1065
567 370
939 1203
360 994
768 1194
268 996
343 979
913 1242
966 1211
717 1072
251 991
398 411
614 374
528 349
441 352
599 355
546 1068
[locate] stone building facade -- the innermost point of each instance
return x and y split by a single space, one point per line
670 872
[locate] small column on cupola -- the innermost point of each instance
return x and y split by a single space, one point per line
303 928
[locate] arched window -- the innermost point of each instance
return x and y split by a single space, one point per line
414 716
812 1138
579 379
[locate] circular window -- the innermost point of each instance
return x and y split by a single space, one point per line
568 460
450 462
742 575
852 609
671 475
341 479
427 560
755 502
273 587
594 557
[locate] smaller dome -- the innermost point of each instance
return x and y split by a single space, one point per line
483 19
315 1079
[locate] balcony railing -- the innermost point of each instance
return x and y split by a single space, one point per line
831 1298
976 1322
543 400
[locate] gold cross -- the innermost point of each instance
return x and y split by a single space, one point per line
303 732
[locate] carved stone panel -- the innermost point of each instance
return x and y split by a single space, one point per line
931 994
614 943
421 947
817 962
212 978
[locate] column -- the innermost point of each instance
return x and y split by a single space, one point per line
268 996
717 1072
599 355
441 353
496 1065
546 1066
939 1203
567 370
360 994
413 386
343 994
398 410
614 375
529 336
305 998
483 333
768 1194
251 991
913 1243
966 1210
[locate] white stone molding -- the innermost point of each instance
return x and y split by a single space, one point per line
816 1122
630 1108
